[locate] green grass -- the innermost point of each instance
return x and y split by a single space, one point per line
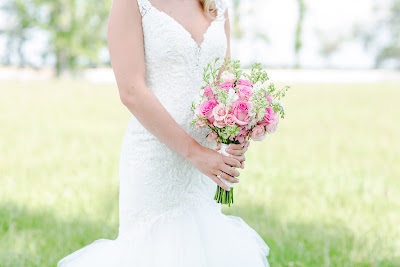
323 191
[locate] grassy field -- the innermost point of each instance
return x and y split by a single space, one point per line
323 191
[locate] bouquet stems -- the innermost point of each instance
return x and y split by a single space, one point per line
224 197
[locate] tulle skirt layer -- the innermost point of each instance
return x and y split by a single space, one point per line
196 238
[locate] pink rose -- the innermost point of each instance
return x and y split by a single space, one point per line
258 133
219 124
200 124
240 110
227 86
244 82
244 92
229 120
208 91
240 138
211 136
269 98
271 128
205 110
243 130
268 117
219 112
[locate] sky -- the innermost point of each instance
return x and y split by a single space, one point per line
278 20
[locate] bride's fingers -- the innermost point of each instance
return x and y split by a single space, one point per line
237 152
240 158
220 183
229 170
246 144
231 161
229 178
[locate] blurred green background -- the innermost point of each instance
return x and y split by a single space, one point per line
324 190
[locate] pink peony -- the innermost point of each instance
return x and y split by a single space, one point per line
244 92
219 123
244 82
220 112
268 117
212 136
229 119
208 91
206 108
258 133
240 110
200 124
227 86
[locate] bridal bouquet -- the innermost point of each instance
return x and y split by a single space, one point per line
237 107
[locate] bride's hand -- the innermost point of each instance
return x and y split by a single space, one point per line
212 163
237 151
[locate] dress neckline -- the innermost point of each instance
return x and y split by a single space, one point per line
199 45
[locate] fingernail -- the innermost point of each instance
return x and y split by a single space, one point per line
237 180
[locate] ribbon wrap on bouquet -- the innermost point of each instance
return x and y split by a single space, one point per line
223 152
222 196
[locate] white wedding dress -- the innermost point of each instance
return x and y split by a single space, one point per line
168 215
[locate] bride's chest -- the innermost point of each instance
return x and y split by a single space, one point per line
167 43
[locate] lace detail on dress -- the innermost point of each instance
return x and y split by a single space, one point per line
221 6
154 179
144 6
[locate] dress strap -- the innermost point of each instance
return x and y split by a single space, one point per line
221 6
144 6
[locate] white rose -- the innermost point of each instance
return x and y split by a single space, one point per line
228 76
257 86
244 78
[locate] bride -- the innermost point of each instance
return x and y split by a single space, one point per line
168 170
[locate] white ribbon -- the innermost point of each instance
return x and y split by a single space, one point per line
223 152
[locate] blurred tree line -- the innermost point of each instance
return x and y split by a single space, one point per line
76 32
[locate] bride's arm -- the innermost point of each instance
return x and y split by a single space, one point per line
125 43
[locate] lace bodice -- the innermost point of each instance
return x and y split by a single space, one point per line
155 179
175 61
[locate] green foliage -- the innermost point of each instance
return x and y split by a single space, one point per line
20 16
375 36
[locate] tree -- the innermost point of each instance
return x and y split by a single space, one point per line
392 49
76 29
19 16
299 29
329 45
383 35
